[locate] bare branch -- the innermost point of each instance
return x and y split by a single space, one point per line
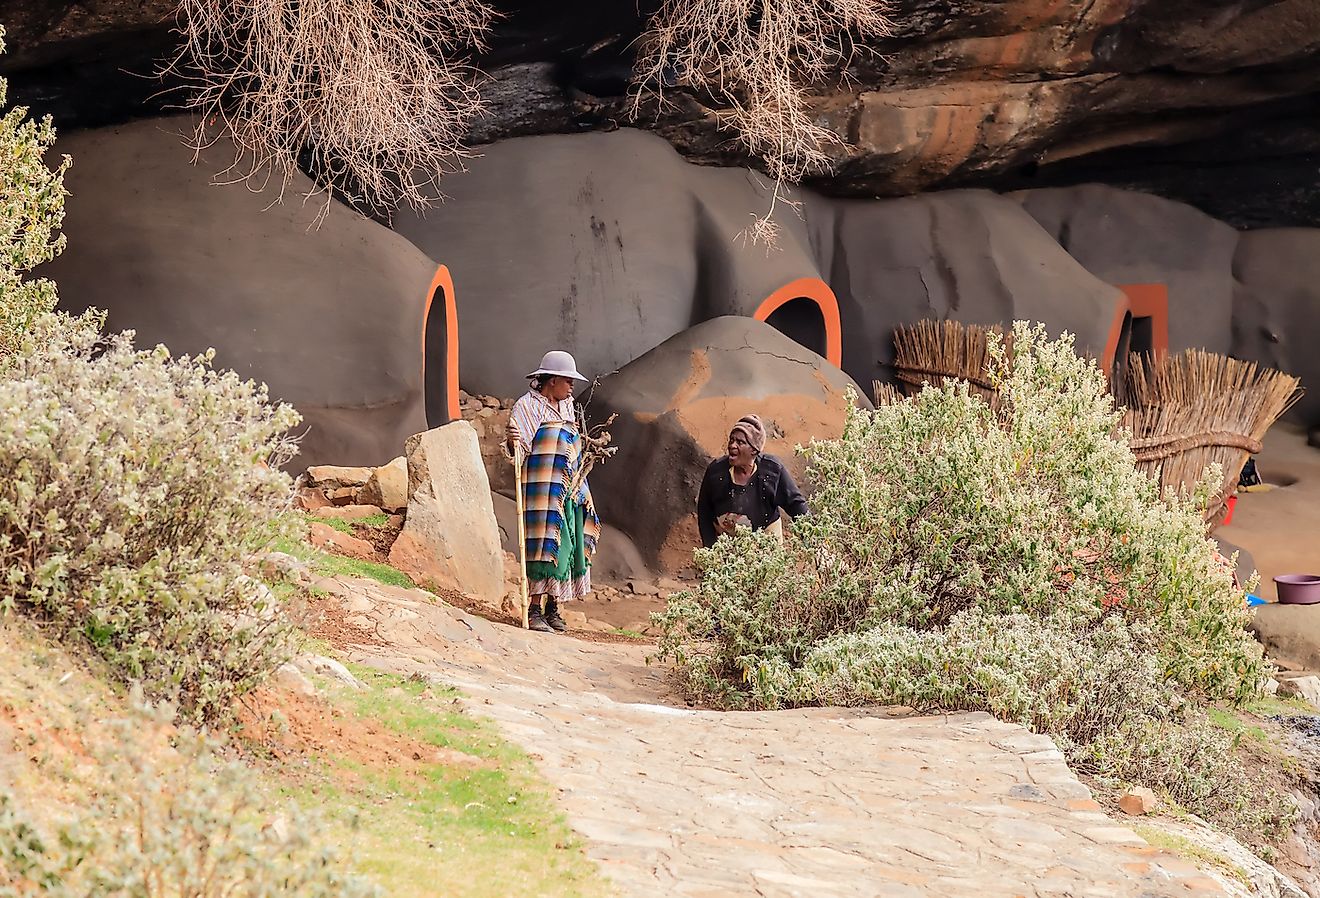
374 96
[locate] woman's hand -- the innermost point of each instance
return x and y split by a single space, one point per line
728 523
512 436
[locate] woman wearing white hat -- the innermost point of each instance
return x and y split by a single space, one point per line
561 529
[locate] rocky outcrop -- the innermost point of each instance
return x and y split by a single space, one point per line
1125 237
330 318
1277 307
607 244
620 244
387 486
675 406
970 255
450 535
1290 633
964 91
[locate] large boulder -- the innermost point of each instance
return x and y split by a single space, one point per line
450 535
1126 237
329 315
1290 633
675 406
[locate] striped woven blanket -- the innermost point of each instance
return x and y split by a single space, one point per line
547 473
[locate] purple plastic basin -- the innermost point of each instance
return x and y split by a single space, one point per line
1298 589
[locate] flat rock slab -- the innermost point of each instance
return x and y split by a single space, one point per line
822 802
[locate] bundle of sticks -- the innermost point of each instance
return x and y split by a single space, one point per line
932 352
1184 412
1197 408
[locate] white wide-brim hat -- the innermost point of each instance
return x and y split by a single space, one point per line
558 363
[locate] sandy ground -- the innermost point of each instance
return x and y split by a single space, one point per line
1281 528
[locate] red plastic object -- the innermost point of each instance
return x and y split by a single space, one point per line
1229 504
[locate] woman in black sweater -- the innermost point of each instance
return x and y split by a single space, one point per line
746 486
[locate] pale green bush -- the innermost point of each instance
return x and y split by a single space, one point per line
31 211
169 821
1012 561
135 485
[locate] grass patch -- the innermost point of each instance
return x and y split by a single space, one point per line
1235 725
1186 848
1279 706
631 634
471 832
372 521
331 565
352 567
337 523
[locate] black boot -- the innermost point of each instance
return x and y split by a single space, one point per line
552 616
535 621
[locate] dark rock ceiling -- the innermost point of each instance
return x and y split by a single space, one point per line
1212 102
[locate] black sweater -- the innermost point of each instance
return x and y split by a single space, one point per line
773 489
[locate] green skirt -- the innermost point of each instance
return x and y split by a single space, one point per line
569 577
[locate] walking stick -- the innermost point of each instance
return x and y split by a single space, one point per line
522 531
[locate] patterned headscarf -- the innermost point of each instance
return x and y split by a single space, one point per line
752 430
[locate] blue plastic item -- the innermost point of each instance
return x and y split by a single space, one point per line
1255 600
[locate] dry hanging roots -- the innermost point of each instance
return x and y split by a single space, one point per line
377 92
756 59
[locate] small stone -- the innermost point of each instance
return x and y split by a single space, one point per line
642 588
506 404
344 495
335 476
323 536
310 498
1271 686
278 827
1306 687
486 412
575 619
328 667
349 512
388 486
1138 801
599 626
490 402
291 679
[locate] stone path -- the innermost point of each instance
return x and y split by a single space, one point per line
820 802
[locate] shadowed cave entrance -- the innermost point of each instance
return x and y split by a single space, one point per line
803 322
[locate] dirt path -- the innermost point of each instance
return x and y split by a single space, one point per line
823 802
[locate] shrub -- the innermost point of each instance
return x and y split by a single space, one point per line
31 211
136 483
168 821
1013 561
